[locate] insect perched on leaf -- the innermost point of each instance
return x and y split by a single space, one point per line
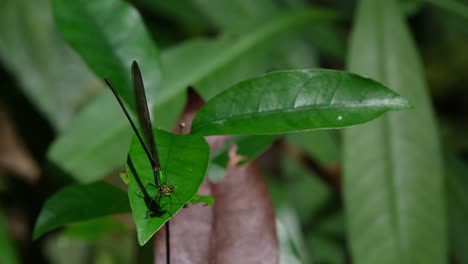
164 189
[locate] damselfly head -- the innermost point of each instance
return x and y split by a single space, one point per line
166 189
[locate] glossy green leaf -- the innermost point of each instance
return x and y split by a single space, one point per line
109 35
96 142
184 160
289 101
7 248
77 203
393 185
33 52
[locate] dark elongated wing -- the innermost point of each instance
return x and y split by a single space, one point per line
143 113
122 105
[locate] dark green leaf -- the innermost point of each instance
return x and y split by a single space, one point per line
109 35
452 6
184 160
393 184
295 100
8 254
457 206
77 203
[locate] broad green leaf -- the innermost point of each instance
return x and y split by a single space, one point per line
7 248
184 160
457 206
33 52
289 101
77 203
109 35
96 142
393 184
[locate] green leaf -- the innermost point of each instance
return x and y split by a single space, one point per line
96 142
393 184
289 101
184 160
109 35
7 248
77 203
32 50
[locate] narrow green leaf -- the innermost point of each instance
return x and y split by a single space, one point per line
77 203
7 248
109 35
393 185
289 101
41 62
184 160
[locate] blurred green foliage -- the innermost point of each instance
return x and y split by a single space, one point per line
389 206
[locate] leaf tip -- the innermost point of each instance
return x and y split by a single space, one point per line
401 104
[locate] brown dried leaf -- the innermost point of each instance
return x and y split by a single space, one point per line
238 228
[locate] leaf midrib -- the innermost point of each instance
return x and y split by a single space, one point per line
303 109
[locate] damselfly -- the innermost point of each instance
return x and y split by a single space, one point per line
160 181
